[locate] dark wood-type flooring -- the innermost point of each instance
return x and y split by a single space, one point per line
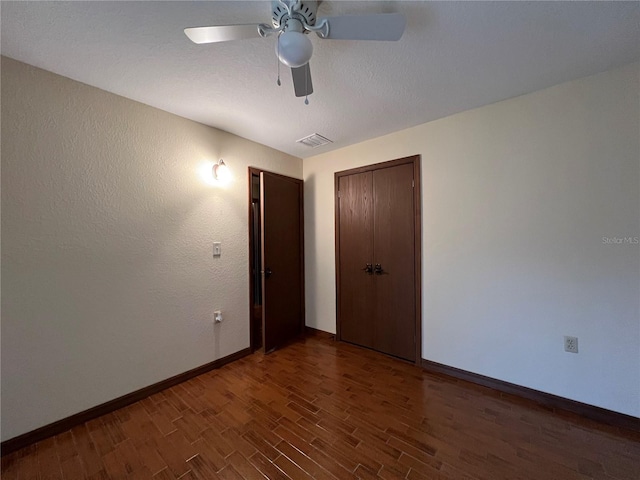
326 410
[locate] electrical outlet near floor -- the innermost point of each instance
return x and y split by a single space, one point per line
570 344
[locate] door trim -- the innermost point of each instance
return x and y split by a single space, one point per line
257 171
415 161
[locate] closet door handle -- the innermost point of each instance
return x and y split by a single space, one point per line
368 269
267 273
378 269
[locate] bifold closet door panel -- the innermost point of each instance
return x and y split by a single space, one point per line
394 250
356 287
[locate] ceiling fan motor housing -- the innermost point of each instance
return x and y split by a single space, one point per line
305 12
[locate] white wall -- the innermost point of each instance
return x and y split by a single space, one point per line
517 197
107 230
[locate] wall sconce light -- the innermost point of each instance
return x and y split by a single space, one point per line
221 172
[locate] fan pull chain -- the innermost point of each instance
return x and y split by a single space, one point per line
278 44
306 85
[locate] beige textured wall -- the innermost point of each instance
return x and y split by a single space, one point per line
516 198
107 231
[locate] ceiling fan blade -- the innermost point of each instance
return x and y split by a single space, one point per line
221 33
302 80
380 26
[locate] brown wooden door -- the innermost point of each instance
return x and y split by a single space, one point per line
377 223
356 252
393 234
282 257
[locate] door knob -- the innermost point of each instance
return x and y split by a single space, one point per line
378 269
267 273
368 269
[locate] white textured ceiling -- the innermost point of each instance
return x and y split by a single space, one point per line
453 56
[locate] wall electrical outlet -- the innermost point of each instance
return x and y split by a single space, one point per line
570 344
217 316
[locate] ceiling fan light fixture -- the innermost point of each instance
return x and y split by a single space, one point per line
294 49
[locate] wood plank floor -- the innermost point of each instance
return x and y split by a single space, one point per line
326 410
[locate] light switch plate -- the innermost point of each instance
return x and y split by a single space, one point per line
217 249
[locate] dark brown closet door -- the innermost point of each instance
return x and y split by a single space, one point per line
394 235
282 269
356 251
378 223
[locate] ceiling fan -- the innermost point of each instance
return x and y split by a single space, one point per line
291 20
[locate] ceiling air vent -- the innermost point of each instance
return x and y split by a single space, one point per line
314 140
